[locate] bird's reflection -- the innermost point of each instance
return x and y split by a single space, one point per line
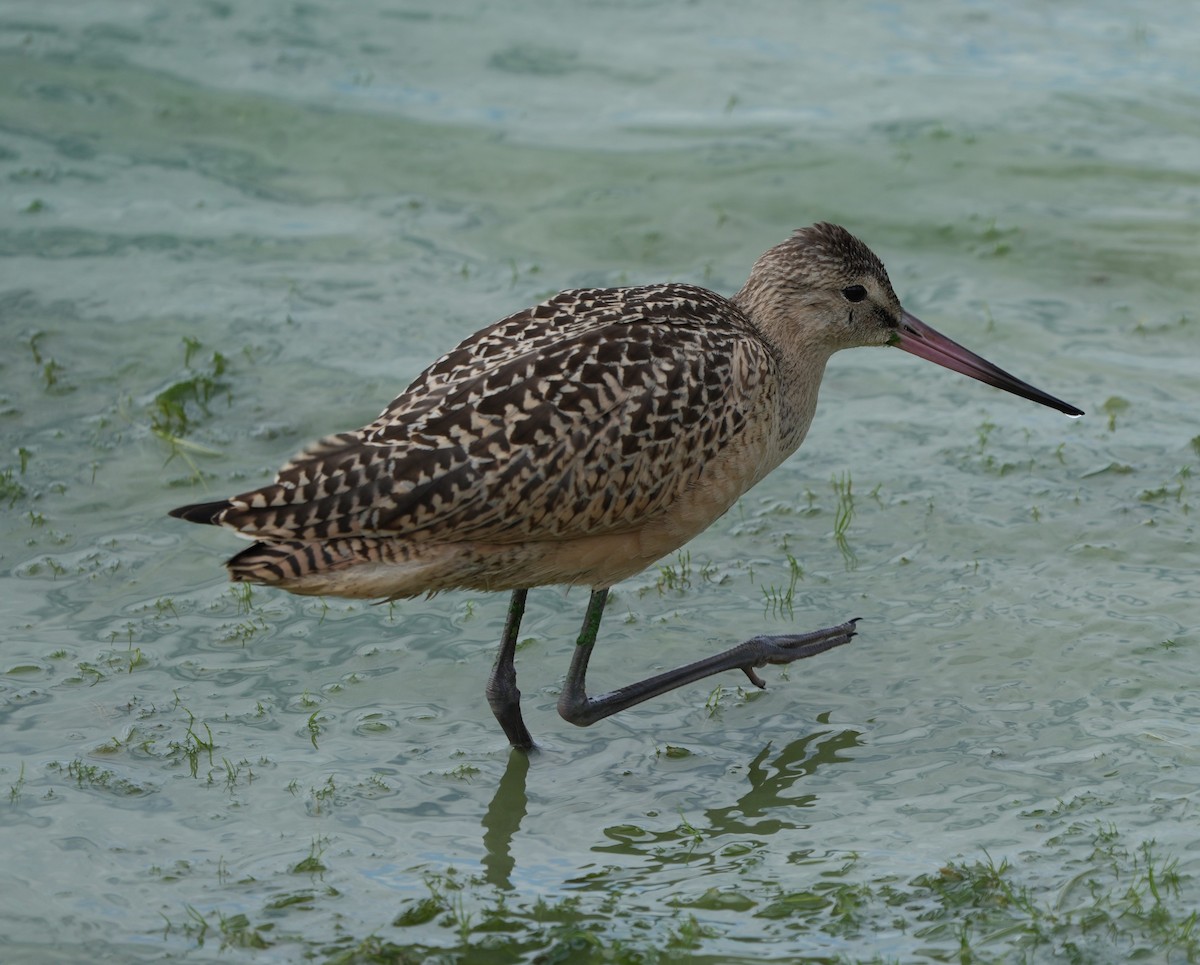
503 820
771 803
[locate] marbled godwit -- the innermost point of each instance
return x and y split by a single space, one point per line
579 441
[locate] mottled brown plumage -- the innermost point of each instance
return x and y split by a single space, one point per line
579 441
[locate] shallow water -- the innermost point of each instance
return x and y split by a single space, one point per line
328 196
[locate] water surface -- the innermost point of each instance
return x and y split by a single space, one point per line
247 226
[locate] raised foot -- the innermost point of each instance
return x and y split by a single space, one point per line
575 706
784 648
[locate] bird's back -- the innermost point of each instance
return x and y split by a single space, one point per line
596 413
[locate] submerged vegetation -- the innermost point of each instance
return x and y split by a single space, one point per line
1110 901
231 775
184 702
176 408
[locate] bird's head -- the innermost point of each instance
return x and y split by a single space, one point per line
823 290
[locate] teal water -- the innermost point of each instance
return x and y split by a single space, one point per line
328 196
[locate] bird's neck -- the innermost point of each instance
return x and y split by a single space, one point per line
799 384
800 357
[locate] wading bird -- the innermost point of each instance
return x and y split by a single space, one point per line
579 441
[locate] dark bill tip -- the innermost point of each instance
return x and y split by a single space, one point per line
917 338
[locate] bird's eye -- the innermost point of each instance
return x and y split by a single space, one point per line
855 293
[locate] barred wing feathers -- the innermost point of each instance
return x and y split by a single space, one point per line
586 414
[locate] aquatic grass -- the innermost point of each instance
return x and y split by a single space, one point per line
11 489
312 863
176 409
1114 406
107 662
676 576
243 595
993 451
1123 907
233 773
14 790
235 930
88 776
173 409
843 487
463 772
51 369
778 600
1119 903
712 704
51 372
313 726
193 746
242 632
324 797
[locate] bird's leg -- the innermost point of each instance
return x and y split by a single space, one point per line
575 706
502 693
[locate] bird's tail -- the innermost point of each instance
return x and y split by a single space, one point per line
208 513
353 566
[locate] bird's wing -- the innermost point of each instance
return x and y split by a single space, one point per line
586 414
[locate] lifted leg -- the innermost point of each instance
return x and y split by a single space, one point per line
575 706
502 693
